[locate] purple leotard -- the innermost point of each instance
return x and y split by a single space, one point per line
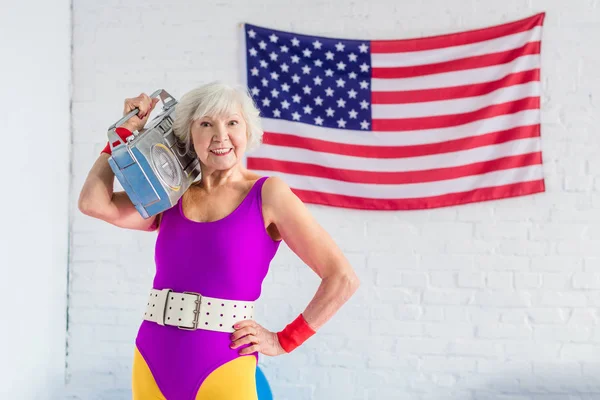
228 258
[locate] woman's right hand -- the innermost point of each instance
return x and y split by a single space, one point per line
145 104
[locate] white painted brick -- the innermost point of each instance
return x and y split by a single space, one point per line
471 279
556 263
586 280
527 280
504 331
414 279
575 333
580 352
442 279
449 331
529 350
499 280
559 281
558 299
503 298
501 230
452 297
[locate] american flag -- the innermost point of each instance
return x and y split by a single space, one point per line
399 124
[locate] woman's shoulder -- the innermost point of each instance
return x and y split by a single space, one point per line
274 190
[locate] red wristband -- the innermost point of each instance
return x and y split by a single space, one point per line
123 133
295 334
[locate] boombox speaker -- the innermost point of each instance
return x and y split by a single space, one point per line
152 164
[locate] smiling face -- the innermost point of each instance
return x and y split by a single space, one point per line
220 140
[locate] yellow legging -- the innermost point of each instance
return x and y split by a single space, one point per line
235 380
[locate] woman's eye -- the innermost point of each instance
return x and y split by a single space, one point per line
233 122
204 124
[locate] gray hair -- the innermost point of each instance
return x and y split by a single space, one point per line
215 99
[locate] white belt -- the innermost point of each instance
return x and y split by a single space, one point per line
191 311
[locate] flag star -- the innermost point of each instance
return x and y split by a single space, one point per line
328 72
285 104
273 38
352 57
254 71
274 75
364 125
255 91
352 75
319 121
253 52
341 66
295 59
276 113
262 45
306 70
284 49
364 105
273 56
265 82
251 33
363 48
264 64
266 102
285 87
274 93
340 82
296 116
353 114
295 42
318 63
329 55
295 78
296 98
317 45
339 47
364 85
306 52
307 109
341 123
317 80
330 111
364 67
341 103
318 100
306 89
285 67
329 92
352 94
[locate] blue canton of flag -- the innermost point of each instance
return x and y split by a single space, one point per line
309 79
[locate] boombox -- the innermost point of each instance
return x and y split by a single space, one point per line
152 165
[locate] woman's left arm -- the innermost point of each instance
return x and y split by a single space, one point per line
307 239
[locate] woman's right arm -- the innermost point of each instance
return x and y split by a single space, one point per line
97 198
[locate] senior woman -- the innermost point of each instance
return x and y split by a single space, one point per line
218 241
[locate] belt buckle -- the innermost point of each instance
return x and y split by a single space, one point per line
196 313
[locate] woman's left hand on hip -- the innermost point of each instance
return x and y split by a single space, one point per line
260 339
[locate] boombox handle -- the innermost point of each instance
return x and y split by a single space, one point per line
168 101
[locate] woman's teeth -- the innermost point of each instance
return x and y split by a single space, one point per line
221 152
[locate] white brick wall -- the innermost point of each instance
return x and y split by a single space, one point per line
496 300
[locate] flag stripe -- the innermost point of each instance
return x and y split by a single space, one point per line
406 138
456 106
456 78
456 39
379 151
411 190
471 62
502 44
395 178
428 162
446 200
455 92
444 121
